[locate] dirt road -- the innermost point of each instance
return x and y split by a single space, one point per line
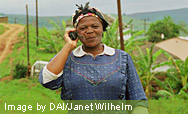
8 38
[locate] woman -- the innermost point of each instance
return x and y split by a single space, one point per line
93 71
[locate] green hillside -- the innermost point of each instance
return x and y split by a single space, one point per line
137 24
43 21
178 15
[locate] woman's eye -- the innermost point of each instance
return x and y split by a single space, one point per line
95 26
82 28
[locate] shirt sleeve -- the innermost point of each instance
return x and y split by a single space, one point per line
49 76
53 84
134 87
50 80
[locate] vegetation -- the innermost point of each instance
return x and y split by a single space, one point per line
162 30
17 88
2 29
168 106
144 64
19 54
175 85
30 92
27 92
112 33
19 71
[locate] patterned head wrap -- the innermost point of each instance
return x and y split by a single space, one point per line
88 11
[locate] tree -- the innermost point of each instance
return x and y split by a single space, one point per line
144 63
165 27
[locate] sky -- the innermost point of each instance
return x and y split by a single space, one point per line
67 7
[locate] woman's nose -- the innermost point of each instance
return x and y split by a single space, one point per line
89 30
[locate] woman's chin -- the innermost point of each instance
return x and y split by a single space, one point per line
91 45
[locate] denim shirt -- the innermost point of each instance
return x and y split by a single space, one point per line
101 78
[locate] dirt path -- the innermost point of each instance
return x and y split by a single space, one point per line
8 38
7 41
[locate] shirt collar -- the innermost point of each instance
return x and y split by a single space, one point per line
79 52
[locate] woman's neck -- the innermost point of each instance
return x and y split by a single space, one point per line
94 50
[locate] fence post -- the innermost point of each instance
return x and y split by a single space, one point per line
28 62
120 25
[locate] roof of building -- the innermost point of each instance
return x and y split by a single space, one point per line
175 46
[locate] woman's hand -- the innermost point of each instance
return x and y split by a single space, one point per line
56 65
68 41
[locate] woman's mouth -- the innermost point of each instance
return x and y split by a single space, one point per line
91 38
87 38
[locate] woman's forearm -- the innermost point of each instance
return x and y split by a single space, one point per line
57 64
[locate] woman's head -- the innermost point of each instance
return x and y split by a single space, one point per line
88 11
90 25
90 31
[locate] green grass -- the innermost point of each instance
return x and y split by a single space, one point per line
30 92
168 106
2 29
24 89
5 68
26 92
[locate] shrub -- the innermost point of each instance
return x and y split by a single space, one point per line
20 71
166 27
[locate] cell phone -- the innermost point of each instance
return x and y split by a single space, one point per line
73 35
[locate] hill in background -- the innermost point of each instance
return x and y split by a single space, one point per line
43 21
178 15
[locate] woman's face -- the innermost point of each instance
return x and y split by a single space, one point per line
90 31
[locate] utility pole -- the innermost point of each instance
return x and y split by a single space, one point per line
37 33
28 61
15 20
120 25
145 24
